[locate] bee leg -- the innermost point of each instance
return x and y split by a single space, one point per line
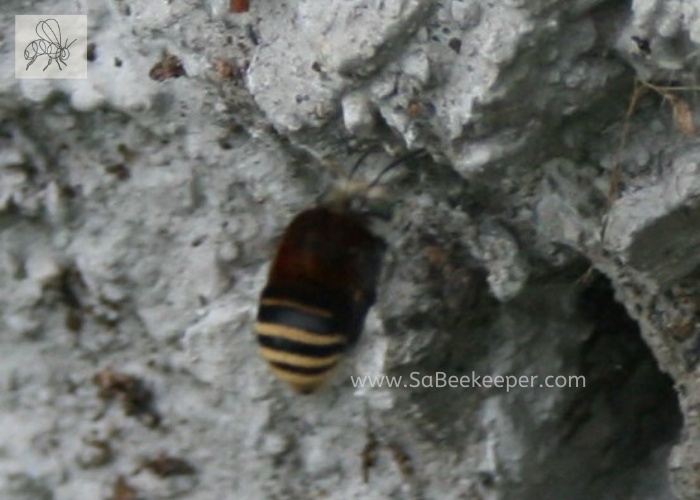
369 455
369 452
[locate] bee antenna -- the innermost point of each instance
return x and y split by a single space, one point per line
359 162
395 163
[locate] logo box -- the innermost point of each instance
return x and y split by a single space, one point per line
51 46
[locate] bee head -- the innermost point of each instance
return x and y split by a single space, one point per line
370 200
361 198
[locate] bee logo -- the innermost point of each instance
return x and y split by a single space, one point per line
48 44
322 282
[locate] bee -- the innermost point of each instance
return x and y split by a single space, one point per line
238 6
323 280
49 44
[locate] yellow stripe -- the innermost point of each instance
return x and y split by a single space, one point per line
299 381
296 335
314 311
297 359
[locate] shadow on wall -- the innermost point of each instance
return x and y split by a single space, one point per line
609 440
627 392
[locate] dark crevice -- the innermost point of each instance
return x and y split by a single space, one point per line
609 440
620 368
622 424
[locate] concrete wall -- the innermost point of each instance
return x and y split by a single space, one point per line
552 230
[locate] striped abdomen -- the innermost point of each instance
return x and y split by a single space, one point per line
301 339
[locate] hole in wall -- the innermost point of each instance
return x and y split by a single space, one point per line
608 440
614 435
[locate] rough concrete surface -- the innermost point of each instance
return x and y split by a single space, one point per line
552 230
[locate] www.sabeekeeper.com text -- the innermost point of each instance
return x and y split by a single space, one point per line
473 381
